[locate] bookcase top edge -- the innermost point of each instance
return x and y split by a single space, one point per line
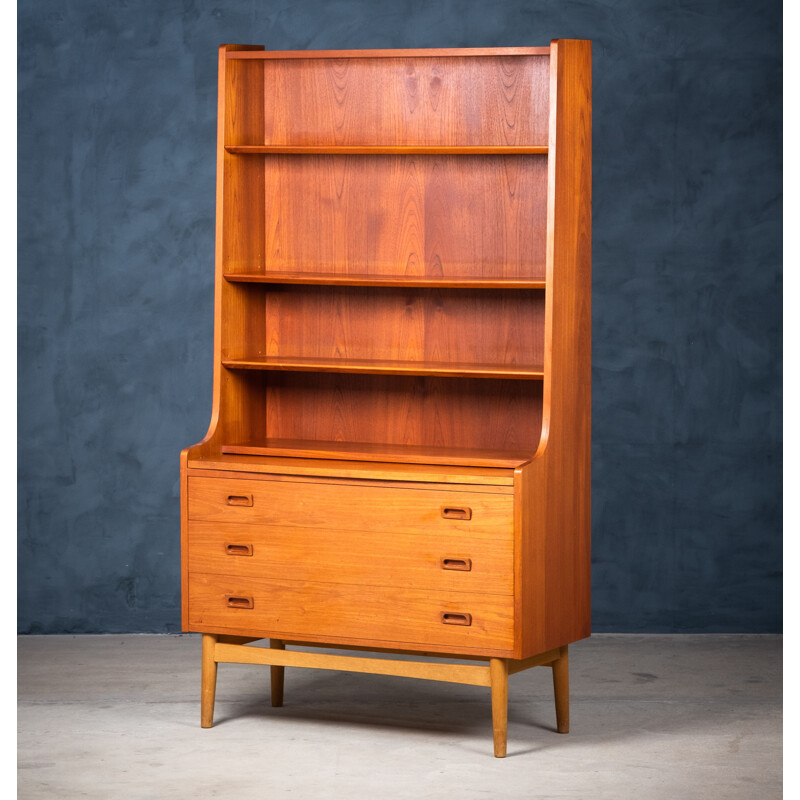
417 53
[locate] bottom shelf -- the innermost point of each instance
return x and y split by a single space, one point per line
364 451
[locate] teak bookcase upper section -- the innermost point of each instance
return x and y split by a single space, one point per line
402 255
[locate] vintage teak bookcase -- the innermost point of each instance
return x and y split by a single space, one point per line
399 451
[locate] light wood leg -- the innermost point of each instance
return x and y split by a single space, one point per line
276 676
498 673
561 690
208 681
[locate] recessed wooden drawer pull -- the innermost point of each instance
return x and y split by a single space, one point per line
240 500
463 564
239 549
455 618
236 601
456 512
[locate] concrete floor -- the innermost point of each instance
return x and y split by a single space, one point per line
671 717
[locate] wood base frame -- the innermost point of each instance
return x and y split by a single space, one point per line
234 650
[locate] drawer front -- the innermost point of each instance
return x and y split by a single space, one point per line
413 560
308 609
349 507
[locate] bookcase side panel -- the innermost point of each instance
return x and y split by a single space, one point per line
238 234
556 490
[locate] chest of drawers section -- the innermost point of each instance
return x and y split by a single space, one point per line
362 562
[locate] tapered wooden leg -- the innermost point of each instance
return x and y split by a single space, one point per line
276 676
561 690
498 673
208 681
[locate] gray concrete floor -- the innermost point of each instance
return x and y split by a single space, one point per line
670 717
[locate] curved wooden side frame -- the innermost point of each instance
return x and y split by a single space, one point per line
553 491
241 121
235 650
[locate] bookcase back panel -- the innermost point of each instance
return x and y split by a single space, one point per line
424 411
409 324
405 101
407 215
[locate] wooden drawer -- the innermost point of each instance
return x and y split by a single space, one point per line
309 609
421 560
349 507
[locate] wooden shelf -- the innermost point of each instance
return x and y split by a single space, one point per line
361 451
387 367
362 279
388 150
451 52
345 468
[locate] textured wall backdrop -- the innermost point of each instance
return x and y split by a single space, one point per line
117 130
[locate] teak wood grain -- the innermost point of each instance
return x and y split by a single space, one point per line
316 477
296 609
397 150
208 680
327 505
417 100
402 365
388 646
406 325
449 673
446 52
405 410
421 560
387 366
395 650
498 678
409 214
378 280
276 676
407 475
553 491
239 240
362 451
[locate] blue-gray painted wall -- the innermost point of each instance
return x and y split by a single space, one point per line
117 105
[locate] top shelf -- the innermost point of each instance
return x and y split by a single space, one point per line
377 150
451 52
